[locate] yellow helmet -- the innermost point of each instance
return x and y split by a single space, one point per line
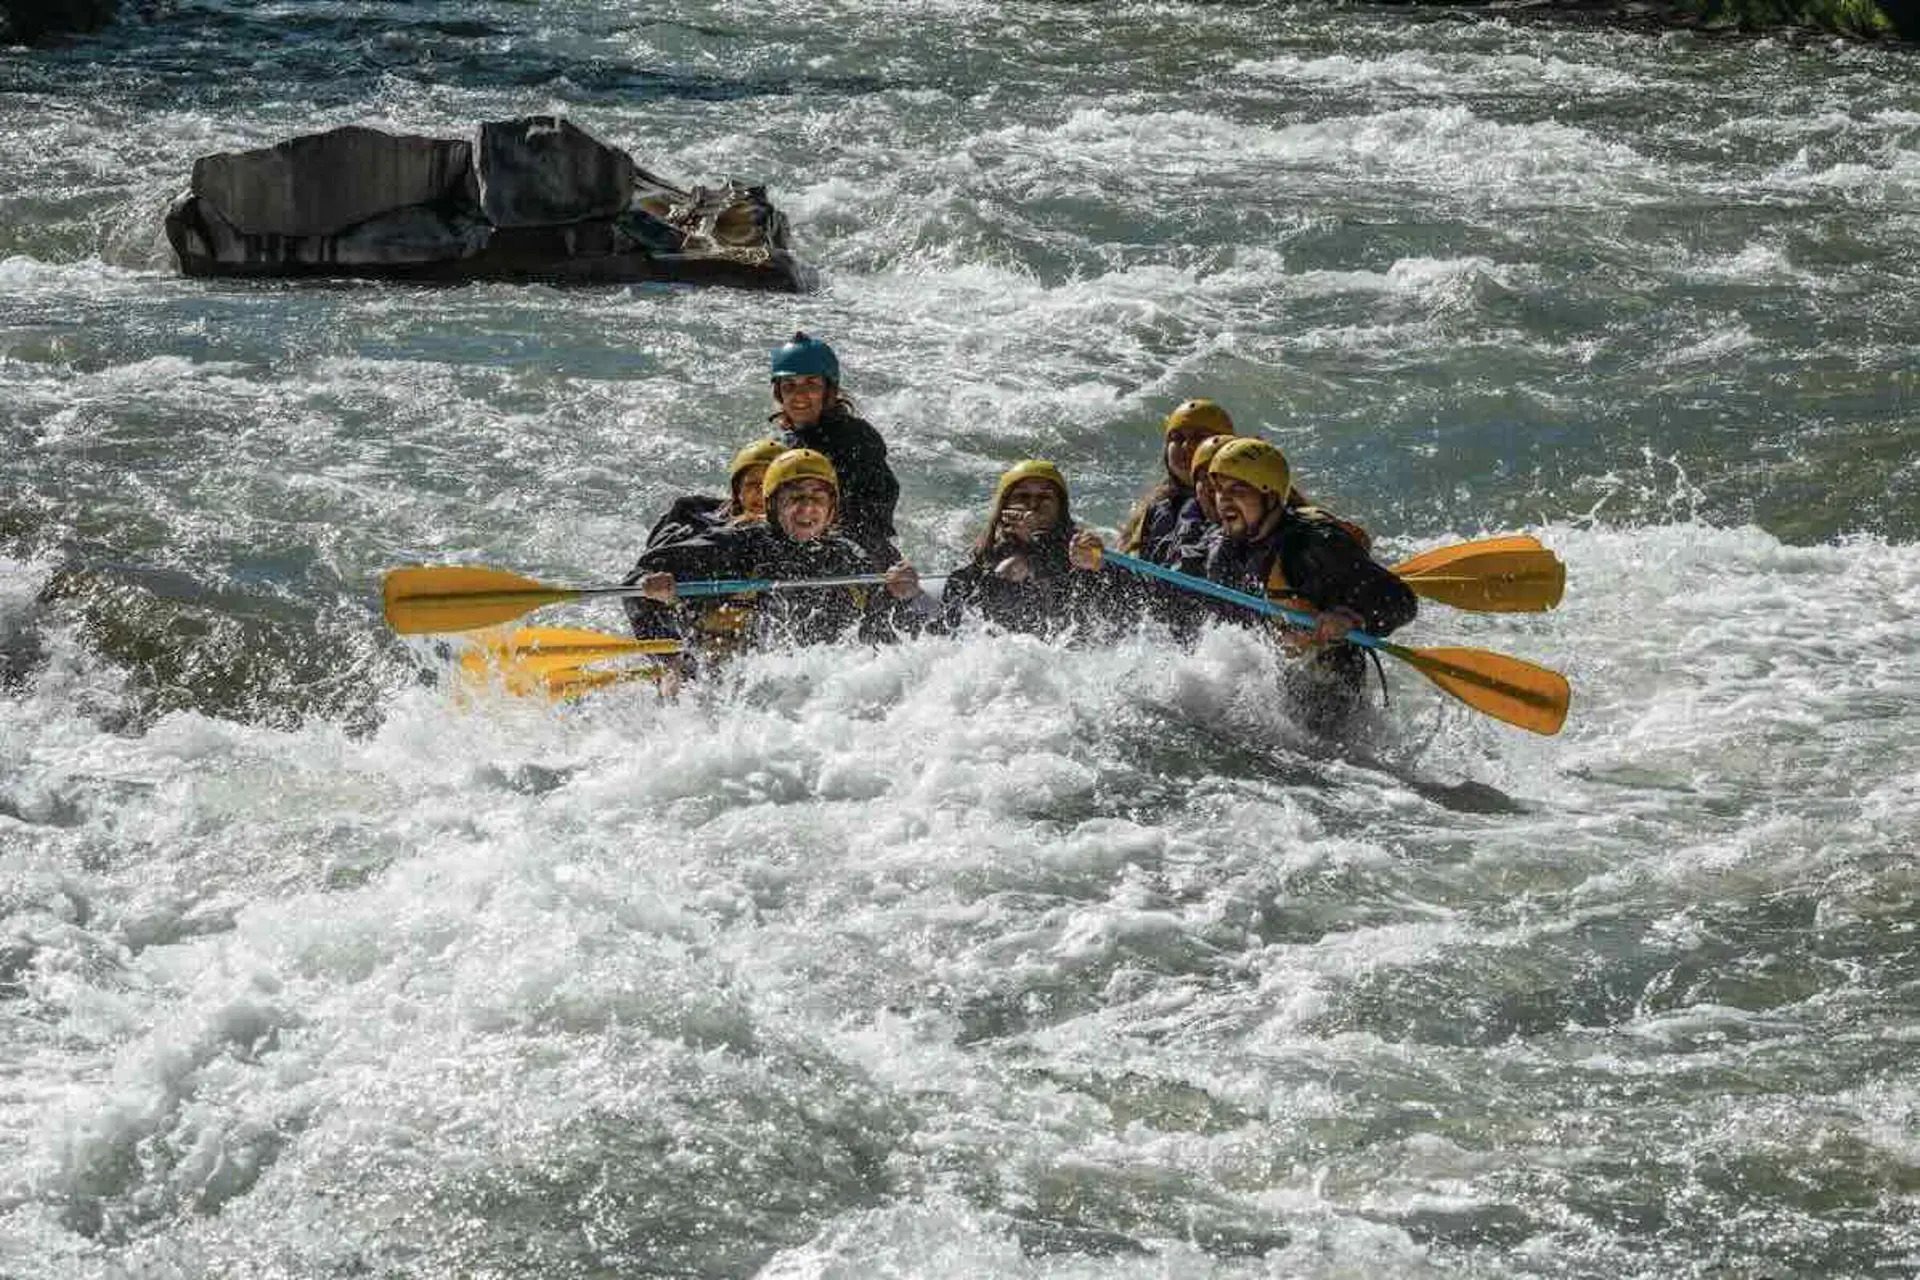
1031 469
1198 415
799 464
1256 463
1204 452
758 454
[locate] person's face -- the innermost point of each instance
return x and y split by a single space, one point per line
1180 447
753 503
1032 508
1242 507
801 399
1209 498
804 508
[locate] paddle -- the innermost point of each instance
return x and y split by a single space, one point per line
1512 574
428 599
554 661
551 648
1507 689
1497 575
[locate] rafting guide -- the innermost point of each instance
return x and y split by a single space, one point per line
801 552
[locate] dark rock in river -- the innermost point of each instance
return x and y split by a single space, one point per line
542 172
26 21
533 199
321 184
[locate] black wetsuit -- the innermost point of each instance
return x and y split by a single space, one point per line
1314 562
1158 522
1191 541
1057 597
868 490
810 616
688 517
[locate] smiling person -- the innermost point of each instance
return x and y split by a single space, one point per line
1303 559
1033 569
798 540
812 413
1150 531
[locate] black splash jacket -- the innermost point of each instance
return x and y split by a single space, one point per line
1318 563
1154 540
1313 561
868 490
1191 541
688 517
815 616
1057 597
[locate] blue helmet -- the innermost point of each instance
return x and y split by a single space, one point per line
803 356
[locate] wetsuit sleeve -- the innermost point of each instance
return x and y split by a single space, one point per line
881 618
688 517
871 490
728 551
1182 524
725 552
1158 531
651 620
1330 568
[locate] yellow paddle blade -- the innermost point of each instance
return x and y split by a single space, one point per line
1507 689
552 648
552 662
563 686
557 685
1488 577
1441 555
434 598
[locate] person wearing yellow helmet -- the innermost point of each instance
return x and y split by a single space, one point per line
1302 558
1198 525
1033 569
1150 529
746 476
799 539
811 412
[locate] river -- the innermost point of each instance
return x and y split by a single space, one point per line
972 956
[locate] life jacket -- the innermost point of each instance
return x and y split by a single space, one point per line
1278 589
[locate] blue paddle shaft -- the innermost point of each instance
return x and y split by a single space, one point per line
1201 586
745 586
738 586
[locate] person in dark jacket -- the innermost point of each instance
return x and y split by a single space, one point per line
696 513
1198 527
1305 560
814 414
1034 570
1150 530
718 624
798 540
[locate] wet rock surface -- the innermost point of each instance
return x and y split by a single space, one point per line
536 198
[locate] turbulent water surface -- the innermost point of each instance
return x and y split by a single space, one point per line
973 956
